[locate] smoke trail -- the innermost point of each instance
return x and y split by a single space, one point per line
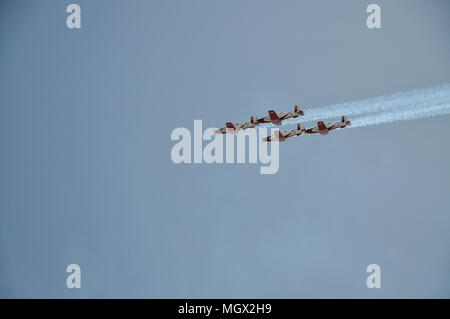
403 102
409 114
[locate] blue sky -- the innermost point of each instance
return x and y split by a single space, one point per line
86 175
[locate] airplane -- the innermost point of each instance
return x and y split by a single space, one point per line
236 127
323 128
276 118
282 136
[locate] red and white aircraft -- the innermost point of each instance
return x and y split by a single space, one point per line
282 136
276 118
236 127
323 128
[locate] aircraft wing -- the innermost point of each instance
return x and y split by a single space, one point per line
274 116
321 126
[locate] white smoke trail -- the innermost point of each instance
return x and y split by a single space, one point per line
408 114
412 102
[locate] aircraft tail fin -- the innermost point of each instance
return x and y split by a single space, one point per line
230 125
298 110
253 120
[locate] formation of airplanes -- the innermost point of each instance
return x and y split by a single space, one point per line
276 118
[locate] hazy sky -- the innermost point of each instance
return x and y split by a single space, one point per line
86 175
